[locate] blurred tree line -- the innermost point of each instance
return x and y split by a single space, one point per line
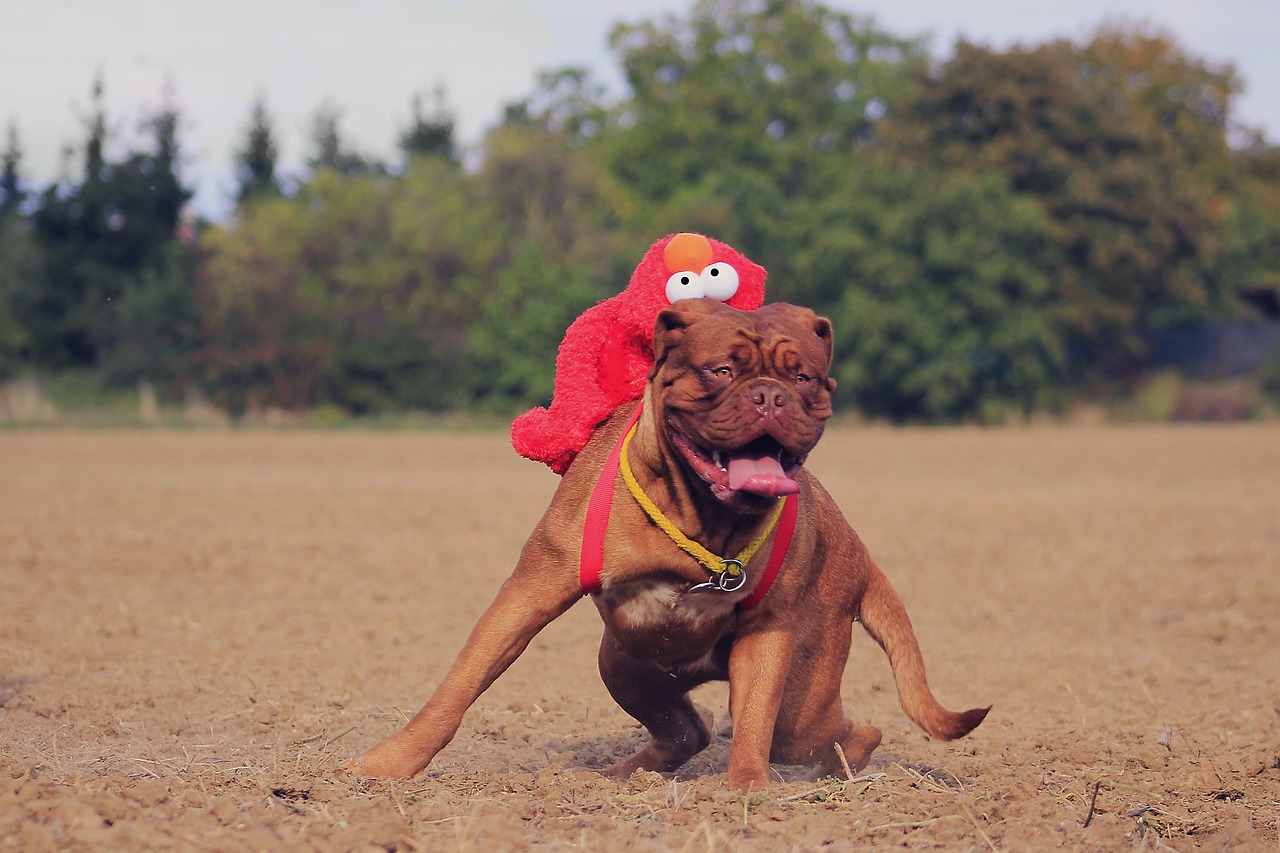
991 234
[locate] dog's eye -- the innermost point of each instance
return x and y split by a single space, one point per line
803 378
722 372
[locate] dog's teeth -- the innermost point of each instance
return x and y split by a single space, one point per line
716 458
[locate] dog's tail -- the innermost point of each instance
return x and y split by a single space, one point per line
885 619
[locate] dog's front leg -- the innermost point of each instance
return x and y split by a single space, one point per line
758 666
524 606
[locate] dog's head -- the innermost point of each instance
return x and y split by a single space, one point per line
743 395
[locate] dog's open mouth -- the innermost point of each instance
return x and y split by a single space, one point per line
762 467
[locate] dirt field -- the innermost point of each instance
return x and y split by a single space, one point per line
197 629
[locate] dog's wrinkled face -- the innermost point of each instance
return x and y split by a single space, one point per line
744 395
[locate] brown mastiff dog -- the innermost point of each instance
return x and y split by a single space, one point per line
735 402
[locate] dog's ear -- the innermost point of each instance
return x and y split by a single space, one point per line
822 328
672 323
821 325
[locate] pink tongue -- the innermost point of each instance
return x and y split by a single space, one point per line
762 476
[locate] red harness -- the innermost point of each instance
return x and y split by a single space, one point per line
597 524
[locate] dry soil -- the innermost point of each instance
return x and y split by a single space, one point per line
198 628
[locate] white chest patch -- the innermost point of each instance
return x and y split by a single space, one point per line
644 604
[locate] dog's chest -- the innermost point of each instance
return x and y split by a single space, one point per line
662 620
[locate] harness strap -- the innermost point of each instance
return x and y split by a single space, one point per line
597 524
781 545
598 516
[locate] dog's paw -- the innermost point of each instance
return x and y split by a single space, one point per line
749 780
387 760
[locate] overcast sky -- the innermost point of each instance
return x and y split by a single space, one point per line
370 56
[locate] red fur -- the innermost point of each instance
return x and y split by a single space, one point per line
607 352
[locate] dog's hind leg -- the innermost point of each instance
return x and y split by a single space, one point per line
811 719
660 702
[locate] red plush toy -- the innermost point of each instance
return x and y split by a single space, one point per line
607 352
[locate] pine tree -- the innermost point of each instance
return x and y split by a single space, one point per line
257 157
331 150
101 237
95 144
11 192
430 135
168 194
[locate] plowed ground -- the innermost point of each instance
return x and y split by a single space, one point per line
198 628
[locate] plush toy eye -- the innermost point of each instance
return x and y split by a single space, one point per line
685 285
720 281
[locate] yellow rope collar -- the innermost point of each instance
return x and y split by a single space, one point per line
729 572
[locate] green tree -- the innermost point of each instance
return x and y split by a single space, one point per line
773 88
12 193
1248 260
19 283
430 134
18 260
147 333
151 329
98 238
330 148
558 213
568 101
984 231
358 292
433 289
415 290
257 156
73 227
744 116
1122 143
940 293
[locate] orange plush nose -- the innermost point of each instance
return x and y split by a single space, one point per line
687 252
